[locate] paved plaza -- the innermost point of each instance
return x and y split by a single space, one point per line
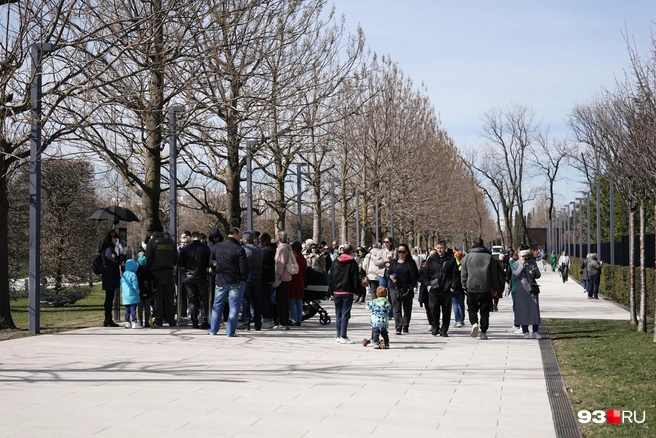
298 383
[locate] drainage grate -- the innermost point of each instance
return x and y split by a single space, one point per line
561 409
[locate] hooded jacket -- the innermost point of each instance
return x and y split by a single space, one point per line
269 263
344 275
442 273
283 253
130 284
373 272
479 272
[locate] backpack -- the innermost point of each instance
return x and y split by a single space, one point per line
292 265
98 265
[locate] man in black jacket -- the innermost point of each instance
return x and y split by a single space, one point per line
344 283
231 276
443 279
252 292
161 258
479 278
195 260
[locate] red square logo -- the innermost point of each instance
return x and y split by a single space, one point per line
613 417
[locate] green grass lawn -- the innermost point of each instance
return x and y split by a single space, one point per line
84 313
608 365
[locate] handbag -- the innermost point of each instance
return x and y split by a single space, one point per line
404 292
535 288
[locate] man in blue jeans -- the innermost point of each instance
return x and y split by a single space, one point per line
344 282
232 272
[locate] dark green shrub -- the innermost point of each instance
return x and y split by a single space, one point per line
66 296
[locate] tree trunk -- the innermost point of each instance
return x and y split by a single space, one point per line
642 320
632 300
6 321
154 121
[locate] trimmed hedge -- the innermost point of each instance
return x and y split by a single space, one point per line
615 283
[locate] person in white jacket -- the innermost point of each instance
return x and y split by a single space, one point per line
387 254
373 272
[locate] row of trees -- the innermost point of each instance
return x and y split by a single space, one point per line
519 165
282 74
617 131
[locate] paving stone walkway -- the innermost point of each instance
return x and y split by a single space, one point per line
298 383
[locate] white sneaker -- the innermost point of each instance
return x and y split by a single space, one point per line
346 341
511 329
537 335
527 335
337 339
136 325
518 331
474 331
128 325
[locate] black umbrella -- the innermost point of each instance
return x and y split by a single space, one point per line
114 213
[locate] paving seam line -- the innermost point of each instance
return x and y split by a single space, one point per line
565 422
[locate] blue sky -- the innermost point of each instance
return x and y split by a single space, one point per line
473 55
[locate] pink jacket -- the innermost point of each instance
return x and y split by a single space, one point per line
283 253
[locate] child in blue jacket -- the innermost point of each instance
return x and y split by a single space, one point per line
380 308
130 293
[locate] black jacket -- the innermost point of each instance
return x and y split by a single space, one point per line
231 262
254 256
269 263
195 259
162 256
344 275
111 277
147 283
414 273
444 270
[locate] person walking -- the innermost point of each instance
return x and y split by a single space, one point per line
373 272
283 280
379 320
479 278
594 276
543 258
231 276
385 257
564 264
252 295
344 283
402 275
458 297
195 261
111 276
512 284
268 279
161 258
584 273
527 296
552 261
297 286
443 278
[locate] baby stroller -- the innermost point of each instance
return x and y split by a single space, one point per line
316 288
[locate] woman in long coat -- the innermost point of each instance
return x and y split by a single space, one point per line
527 303
111 277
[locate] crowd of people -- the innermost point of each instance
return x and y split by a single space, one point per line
255 282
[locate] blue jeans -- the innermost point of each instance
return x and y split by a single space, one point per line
343 304
296 309
458 303
130 311
233 292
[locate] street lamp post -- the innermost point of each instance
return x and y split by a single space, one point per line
588 196
249 184
612 223
173 171
377 225
299 221
357 217
332 213
34 311
573 243
580 227
598 188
